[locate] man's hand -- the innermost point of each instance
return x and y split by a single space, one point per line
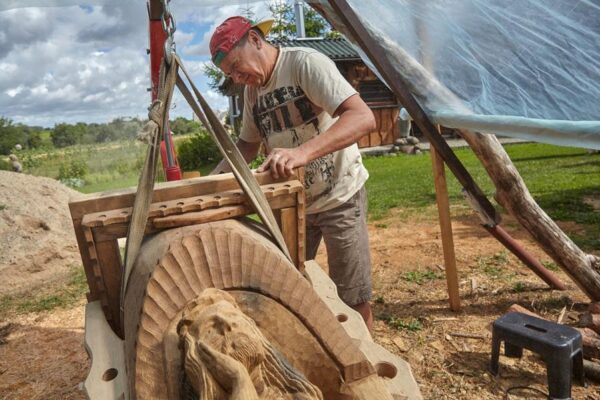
281 162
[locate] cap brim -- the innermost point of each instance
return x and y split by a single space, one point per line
264 26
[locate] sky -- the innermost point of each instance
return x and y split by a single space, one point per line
85 60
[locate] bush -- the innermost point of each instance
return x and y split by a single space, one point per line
73 169
65 135
5 164
257 162
197 151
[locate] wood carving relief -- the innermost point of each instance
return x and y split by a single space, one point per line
227 357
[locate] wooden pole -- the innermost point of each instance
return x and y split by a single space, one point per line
443 205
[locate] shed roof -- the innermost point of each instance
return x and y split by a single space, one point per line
337 49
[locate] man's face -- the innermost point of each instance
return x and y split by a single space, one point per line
243 65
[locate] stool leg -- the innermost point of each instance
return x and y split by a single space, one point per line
510 350
578 370
495 353
560 367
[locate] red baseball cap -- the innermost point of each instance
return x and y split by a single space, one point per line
230 32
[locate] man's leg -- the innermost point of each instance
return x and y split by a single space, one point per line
344 230
364 309
313 236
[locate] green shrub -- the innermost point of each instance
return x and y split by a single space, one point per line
121 166
73 169
29 161
197 151
5 164
257 162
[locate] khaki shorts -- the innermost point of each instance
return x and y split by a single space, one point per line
344 230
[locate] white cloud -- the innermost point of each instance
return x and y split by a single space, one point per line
71 63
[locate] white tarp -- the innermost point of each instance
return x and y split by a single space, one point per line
523 68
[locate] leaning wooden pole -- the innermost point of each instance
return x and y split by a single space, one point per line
443 205
411 82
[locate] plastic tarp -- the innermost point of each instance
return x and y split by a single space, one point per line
523 68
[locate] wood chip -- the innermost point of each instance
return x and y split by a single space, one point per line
400 344
444 319
455 345
468 335
437 345
561 315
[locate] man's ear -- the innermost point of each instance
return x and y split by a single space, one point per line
255 39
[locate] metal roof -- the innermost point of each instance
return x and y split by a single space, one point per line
337 49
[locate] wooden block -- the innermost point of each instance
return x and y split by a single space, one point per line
289 228
107 378
109 262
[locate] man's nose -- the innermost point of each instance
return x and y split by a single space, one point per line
237 77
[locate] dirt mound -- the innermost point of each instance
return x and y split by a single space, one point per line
36 234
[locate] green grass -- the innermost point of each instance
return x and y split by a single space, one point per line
420 277
551 265
412 325
493 265
519 287
558 178
63 297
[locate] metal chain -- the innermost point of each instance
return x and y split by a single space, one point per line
169 26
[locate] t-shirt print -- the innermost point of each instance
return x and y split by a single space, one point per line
287 114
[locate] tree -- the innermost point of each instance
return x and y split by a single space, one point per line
65 135
285 21
10 135
183 126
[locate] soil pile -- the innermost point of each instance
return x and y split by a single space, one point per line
37 240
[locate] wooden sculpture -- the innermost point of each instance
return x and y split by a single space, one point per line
214 310
227 357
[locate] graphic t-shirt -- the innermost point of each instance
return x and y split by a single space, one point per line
296 104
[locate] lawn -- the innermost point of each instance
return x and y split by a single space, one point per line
559 178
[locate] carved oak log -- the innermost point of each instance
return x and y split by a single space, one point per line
176 266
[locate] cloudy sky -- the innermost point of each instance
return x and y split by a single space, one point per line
85 60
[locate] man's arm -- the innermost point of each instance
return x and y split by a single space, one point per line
248 150
355 120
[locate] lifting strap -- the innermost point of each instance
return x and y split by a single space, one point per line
158 121
230 152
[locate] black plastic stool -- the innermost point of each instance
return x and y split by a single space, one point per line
559 346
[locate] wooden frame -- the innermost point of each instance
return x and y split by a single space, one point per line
101 219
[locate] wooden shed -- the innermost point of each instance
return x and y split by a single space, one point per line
373 91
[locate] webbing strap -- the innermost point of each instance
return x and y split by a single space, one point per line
230 152
159 116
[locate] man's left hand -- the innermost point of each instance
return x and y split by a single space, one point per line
281 162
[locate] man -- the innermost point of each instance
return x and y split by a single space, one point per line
306 114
